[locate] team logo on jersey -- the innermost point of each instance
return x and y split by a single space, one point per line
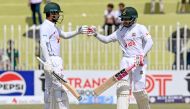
133 34
16 84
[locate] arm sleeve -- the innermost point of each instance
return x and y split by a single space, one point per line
67 35
106 39
147 40
44 40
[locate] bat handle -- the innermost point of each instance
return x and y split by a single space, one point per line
40 60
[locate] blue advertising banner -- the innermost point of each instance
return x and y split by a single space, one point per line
97 100
170 99
16 83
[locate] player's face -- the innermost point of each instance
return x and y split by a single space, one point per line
57 17
126 22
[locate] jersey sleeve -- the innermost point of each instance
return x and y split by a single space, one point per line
106 39
44 40
144 32
147 39
67 35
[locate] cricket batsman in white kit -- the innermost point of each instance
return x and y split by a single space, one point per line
55 96
135 42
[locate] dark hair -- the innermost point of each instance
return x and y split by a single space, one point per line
121 4
110 5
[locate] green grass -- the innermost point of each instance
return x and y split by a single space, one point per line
16 12
98 106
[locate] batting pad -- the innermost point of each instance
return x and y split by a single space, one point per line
142 99
123 95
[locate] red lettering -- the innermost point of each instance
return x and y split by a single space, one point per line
71 81
78 82
87 84
161 79
130 43
150 83
104 80
96 83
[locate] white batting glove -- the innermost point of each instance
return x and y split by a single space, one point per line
92 31
139 60
83 29
48 66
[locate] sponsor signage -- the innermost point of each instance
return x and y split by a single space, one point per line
25 87
16 83
97 100
170 99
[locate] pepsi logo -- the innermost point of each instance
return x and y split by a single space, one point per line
12 83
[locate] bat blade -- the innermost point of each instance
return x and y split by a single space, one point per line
112 80
65 83
68 86
72 90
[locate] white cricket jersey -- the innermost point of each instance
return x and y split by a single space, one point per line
132 40
50 36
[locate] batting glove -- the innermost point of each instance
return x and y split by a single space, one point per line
48 66
83 29
92 31
139 60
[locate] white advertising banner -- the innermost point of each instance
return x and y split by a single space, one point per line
162 86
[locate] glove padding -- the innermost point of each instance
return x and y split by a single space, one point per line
48 66
91 31
139 60
83 29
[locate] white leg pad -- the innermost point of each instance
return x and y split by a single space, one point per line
142 99
123 95
57 99
61 98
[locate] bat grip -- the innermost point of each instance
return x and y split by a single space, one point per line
124 72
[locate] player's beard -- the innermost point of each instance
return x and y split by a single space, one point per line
58 19
55 18
128 23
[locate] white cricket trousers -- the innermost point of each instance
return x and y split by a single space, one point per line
136 77
55 97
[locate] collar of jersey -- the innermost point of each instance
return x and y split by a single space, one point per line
49 22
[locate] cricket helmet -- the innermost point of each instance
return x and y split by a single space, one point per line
52 7
129 13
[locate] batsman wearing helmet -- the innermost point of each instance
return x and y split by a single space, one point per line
55 96
135 42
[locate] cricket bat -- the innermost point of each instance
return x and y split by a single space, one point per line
112 80
65 83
